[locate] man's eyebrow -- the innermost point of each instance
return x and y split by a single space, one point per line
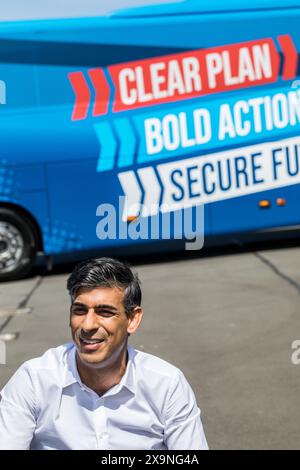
106 306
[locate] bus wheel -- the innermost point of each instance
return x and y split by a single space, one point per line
17 245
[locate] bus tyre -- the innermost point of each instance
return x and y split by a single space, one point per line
17 245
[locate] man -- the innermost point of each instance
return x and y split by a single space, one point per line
97 392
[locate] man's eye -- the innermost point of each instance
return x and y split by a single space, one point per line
104 313
78 310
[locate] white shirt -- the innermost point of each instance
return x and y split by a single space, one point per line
46 406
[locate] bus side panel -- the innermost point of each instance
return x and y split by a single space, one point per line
245 214
72 148
36 204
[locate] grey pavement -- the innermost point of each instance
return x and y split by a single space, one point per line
228 321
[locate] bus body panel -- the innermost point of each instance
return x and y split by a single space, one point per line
76 163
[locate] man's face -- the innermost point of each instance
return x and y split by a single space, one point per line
100 326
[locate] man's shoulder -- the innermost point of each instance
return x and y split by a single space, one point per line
36 374
153 364
52 359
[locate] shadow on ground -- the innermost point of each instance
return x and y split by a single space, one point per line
168 255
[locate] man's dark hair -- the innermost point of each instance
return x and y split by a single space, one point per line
107 272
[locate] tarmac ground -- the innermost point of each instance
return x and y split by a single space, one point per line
226 317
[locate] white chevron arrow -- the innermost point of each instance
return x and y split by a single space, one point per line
152 191
133 194
134 185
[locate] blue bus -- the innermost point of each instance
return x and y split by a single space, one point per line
165 107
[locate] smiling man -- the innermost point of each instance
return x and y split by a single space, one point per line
98 392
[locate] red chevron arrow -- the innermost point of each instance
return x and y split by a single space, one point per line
290 55
102 91
82 95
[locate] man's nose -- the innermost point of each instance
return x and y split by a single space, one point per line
90 321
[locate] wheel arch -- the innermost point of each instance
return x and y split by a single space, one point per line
30 218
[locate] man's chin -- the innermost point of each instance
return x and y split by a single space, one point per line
91 358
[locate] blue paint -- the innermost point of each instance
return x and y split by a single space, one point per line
60 170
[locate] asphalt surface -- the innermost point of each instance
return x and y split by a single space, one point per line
227 319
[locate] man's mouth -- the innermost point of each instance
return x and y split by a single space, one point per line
91 341
90 344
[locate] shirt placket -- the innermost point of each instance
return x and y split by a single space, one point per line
100 423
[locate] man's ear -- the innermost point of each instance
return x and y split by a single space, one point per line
134 320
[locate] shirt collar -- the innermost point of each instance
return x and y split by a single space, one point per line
71 374
70 368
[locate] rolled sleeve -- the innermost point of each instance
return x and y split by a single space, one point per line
183 426
18 411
